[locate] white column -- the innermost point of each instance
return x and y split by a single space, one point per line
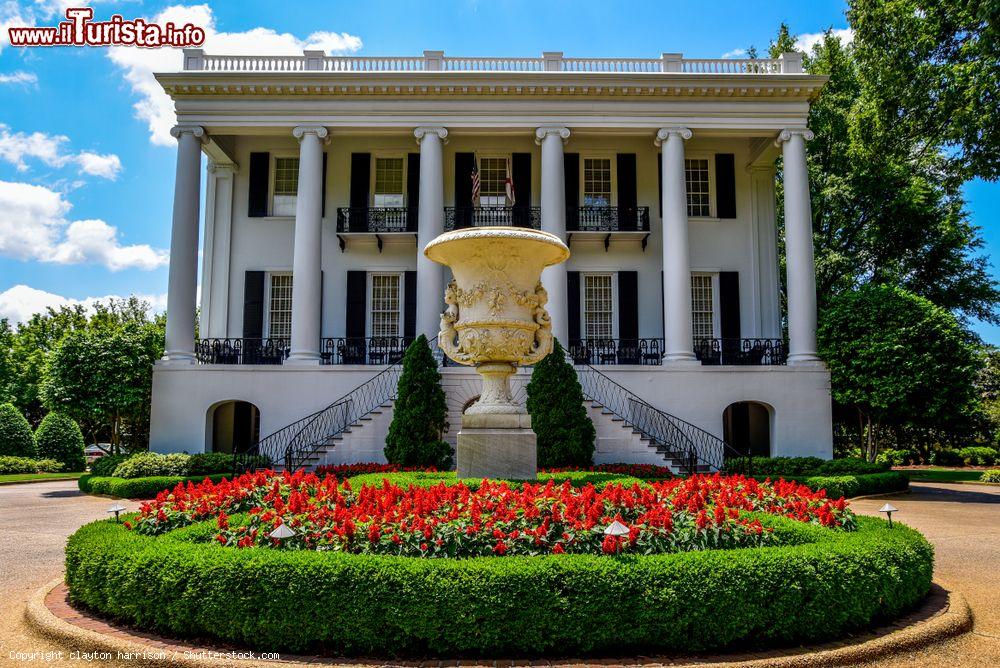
551 139
183 275
799 265
307 257
678 345
430 224
216 260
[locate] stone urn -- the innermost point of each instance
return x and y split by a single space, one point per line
495 320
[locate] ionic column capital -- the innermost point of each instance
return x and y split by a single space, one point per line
321 132
196 130
427 130
546 130
663 133
788 133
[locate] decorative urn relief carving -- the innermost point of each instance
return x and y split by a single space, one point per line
495 319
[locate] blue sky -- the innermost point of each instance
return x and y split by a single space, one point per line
86 171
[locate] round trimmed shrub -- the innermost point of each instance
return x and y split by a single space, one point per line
828 584
16 439
148 464
59 437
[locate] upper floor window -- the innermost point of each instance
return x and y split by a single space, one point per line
598 306
493 175
597 181
286 186
697 177
703 318
388 191
279 306
386 312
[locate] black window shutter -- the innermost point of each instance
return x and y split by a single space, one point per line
520 174
412 190
410 305
464 162
571 168
729 304
260 164
725 185
253 304
628 305
659 181
627 196
357 310
323 211
361 164
572 307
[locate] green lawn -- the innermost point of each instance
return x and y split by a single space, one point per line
37 477
943 475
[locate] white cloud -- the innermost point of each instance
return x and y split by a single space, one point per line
735 53
34 226
807 41
16 147
138 65
18 77
20 302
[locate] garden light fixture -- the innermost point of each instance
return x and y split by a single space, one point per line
616 529
281 532
888 509
116 508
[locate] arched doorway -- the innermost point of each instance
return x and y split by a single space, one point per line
233 426
746 425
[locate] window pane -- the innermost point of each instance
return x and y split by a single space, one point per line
286 186
492 181
388 182
702 310
385 305
280 307
696 174
598 306
597 182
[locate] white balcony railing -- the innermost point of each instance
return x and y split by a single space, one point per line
436 61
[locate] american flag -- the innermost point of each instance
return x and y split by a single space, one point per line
508 185
475 184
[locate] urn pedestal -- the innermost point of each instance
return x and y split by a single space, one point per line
496 320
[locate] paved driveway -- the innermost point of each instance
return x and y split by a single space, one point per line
963 522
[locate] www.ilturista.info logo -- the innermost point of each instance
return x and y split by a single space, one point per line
81 30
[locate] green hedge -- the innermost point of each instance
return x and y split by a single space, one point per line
427 479
561 604
813 466
136 488
852 485
21 465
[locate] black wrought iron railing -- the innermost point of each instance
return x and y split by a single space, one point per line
292 446
376 220
363 350
241 351
691 448
741 352
459 217
616 351
607 219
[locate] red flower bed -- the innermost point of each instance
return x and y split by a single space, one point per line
699 512
643 471
348 470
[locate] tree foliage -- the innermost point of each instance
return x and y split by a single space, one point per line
897 359
16 439
558 416
59 437
419 414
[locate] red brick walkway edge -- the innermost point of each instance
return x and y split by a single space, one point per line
943 615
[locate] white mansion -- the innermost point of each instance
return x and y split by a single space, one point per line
327 176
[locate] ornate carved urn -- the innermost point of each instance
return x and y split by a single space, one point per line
495 317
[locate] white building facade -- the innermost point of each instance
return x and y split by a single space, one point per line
326 176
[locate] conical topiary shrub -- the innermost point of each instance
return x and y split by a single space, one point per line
59 437
16 439
419 413
558 416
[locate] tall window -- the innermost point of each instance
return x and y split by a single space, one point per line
597 181
286 186
598 306
493 182
702 307
279 307
385 306
698 193
388 182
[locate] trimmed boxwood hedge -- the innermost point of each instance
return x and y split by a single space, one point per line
136 488
428 479
559 604
851 485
